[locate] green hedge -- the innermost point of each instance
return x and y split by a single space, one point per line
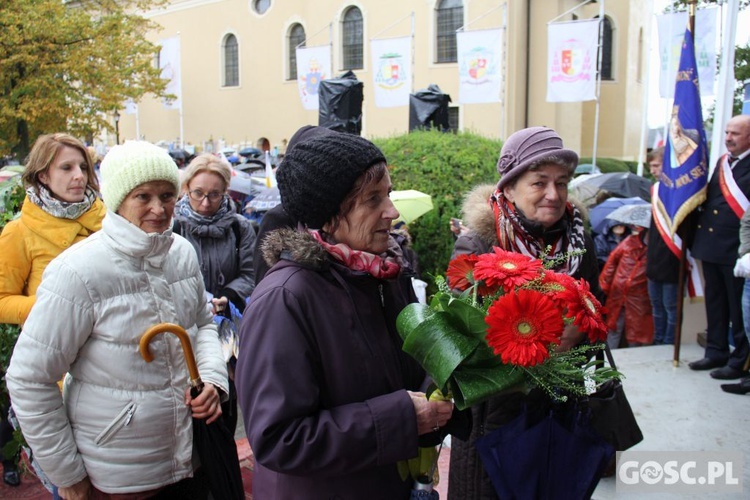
445 166
609 165
11 198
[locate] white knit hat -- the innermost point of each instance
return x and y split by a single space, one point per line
129 165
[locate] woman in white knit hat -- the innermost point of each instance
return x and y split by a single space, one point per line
121 426
61 208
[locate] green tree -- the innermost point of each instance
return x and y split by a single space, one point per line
68 65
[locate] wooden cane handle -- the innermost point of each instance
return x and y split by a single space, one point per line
184 340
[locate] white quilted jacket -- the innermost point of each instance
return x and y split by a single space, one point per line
121 421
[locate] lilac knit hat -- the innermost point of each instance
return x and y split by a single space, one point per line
531 147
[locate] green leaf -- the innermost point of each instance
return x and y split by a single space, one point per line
471 385
432 340
469 318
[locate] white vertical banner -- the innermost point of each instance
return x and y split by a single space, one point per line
131 108
391 71
313 65
571 61
671 33
169 63
480 55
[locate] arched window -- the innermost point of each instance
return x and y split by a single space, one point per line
261 6
351 45
231 62
449 16
606 48
296 38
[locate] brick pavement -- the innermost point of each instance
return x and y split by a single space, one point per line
32 489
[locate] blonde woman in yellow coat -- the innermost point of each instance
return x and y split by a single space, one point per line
62 207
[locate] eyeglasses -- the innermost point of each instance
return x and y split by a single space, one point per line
199 196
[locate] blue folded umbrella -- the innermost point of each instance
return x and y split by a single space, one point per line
557 457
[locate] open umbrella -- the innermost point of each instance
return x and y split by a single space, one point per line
251 152
411 204
621 184
637 215
586 168
266 199
10 171
598 214
214 441
241 182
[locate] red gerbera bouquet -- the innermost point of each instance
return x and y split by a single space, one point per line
495 324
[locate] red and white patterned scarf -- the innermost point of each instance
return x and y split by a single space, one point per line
514 236
357 260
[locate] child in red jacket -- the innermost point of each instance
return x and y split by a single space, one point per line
623 280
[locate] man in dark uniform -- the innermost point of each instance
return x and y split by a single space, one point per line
716 243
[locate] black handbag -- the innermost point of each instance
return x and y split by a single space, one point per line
611 415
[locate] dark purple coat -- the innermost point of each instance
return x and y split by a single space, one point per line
322 379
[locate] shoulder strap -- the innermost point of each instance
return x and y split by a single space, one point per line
237 237
606 351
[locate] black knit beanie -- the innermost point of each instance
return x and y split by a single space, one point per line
317 174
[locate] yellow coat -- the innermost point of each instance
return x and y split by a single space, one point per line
28 244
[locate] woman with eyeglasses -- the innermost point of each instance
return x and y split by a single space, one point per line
224 241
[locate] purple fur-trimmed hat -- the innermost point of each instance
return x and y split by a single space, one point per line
531 147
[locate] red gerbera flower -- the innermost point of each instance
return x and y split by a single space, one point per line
587 312
521 326
506 269
461 271
560 287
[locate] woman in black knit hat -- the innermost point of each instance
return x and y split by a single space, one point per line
331 403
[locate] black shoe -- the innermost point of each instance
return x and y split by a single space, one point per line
728 373
743 387
11 477
706 364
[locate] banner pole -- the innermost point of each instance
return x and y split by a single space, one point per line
413 50
598 81
182 97
647 96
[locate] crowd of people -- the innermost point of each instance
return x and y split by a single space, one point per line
330 401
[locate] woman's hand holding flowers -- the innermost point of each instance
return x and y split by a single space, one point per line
431 414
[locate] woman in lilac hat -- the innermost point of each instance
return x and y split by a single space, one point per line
526 212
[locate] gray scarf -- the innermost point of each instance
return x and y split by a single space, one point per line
61 209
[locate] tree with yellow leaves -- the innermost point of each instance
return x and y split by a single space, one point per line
69 65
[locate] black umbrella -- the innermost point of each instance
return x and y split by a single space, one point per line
620 184
214 442
179 154
250 152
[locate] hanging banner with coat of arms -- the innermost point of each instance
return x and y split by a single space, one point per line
313 65
571 61
480 55
169 64
391 72
671 34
